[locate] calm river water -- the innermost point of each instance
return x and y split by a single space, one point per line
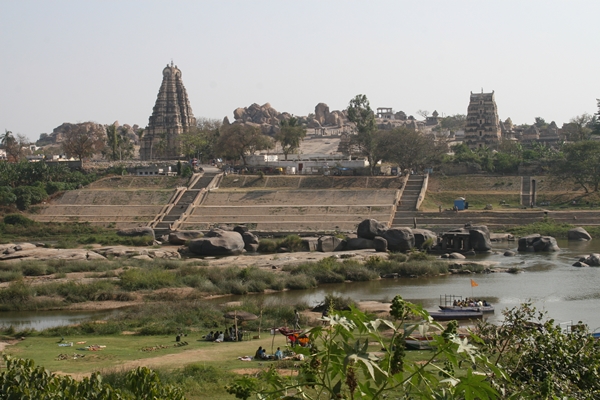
567 293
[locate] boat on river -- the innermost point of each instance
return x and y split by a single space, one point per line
452 303
455 315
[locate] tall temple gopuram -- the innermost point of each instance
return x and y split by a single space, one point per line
483 126
171 117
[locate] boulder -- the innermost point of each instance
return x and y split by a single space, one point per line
456 256
140 231
578 234
181 237
369 228
538 243
380 244
399 239
479 237
359 244
422 235
509 253
580 264
328 244
321 112
310 243
250 242
218 242
241 229
593 260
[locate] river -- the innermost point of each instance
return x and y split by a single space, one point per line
549 280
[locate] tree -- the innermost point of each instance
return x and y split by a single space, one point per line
118 145
579 162
423 113
200 141
540 122
454 123
290 135
409 149
540 359
596 122
83 140
13 146
365 140
341 365
579 128
241 140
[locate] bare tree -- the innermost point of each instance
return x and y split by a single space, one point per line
83 140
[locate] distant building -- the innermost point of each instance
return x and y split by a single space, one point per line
171 117
482 127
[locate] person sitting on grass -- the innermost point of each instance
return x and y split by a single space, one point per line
210 336
258 353
220 338
278 354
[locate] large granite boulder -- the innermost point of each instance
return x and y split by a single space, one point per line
359 244
181 237
136 232
218 242
380 244
479 236
538 243
399 239
578 234
330 243
422 235
369 228
250 242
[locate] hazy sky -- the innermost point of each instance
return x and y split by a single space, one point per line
74 61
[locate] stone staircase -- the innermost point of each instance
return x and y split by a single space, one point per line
180 203
406 209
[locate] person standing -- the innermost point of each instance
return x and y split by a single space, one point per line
296 320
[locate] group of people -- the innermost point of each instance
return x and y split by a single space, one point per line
229 335
470 303
261 354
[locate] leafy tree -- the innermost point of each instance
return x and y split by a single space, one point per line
579 162
596 122
365 140
83 140
200 141
540 122
7 197
29 195
409 149
118 145
290 135
341 365
241 140
541 360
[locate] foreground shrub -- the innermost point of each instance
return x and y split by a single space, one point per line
17 219
151 278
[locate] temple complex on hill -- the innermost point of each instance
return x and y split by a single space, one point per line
171 117
483 126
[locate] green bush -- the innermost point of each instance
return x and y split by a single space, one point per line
141 279
9 276
17 219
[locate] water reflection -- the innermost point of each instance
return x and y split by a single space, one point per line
40 320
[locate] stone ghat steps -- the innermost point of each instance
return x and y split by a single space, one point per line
302 210
299 197
284 218
449 220
289 227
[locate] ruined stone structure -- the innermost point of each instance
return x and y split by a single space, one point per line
482 127
171 117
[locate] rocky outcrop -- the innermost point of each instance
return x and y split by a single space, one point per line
359 244
268 119
380 244
136 252
369 228
578 234
218 242
538 243
423 235
399 239
181 237
330 243
593 260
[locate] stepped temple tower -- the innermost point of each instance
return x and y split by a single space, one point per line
483 125
171 117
